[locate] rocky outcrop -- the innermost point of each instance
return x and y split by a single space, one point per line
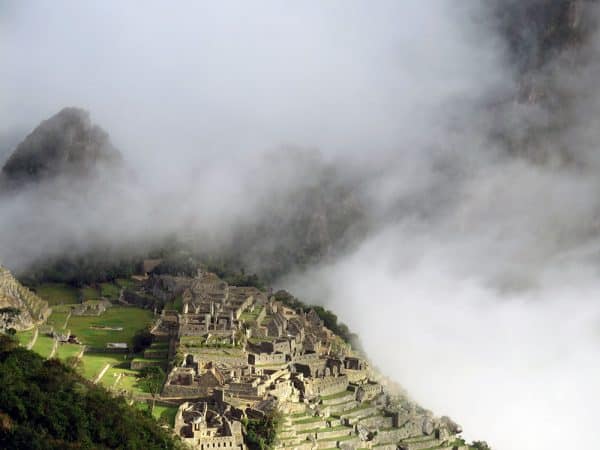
551 47
20 308
65 144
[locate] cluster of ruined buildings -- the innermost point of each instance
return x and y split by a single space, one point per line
242 354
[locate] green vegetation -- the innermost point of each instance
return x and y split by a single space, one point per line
66 351
45 405
141 340
90 293
25 337
96 266
93 363
59 316
126 283
308 420
261 433
234 276
176 304
329 318
88 329
110 291
165 414
479 445
57 293
151 380
43 345
249 317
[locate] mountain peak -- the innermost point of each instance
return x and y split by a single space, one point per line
67 143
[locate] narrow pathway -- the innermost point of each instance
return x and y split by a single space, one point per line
54 347
122 298
119 376
156 325
33 339
101 374
66 321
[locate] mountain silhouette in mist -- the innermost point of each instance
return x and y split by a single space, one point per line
65 144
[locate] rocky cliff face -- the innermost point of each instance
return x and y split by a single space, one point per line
65 144
20 308
551 47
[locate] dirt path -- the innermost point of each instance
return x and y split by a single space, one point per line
66 321
54 348
33 339
117 380
101 374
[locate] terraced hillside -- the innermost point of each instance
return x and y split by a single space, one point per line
20 308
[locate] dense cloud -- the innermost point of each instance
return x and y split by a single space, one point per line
478 257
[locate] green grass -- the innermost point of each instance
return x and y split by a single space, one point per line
131 319
150 360
93 363
336 395
176 304
159 345
338 438
90 293
308 420
58 317
25 337
110 291
258 340
166 413
43 345
65 351
57 293
126 283
128 381
248 316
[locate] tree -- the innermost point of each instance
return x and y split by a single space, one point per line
141 340
480 445
151 380
261 433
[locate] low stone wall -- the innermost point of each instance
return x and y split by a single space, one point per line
377 422
139 365
334 401
355 376
350 443
342 407
334 433
308 426
156 353
325 386
420 445
360 413
176 390
385 447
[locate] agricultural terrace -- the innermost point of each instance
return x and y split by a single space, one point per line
57 293
110 291
97 331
